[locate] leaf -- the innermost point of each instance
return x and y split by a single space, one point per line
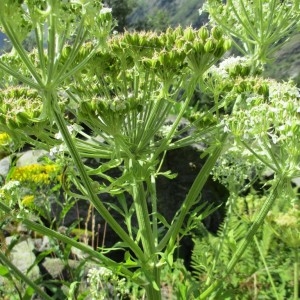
4 271
28 293
128 261
72 290
168 174
162 219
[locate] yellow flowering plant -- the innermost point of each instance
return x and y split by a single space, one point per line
5 144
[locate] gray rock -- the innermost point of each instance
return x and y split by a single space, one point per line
22 257
30 157
4 166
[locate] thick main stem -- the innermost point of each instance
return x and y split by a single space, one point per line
87 182
152 271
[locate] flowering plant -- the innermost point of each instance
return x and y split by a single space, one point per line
122 90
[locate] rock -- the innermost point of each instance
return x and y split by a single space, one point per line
30 157
23 257
4 166
24 158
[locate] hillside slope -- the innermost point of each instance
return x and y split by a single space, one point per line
164 13
175 12
287 61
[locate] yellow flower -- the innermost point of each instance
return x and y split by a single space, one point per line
4 139
36 173
27 200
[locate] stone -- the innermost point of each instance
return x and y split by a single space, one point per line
4 166
30 157
22 256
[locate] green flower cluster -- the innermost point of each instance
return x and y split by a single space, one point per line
261 117
222 84
19 107
236 167
26 14
168 53
137 61
232 75
256 26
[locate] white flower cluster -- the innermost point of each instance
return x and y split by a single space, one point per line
235 167
222 77
269 126
10 185
232 61
103 283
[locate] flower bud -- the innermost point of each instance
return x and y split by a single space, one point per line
219 48
203 33
235 70
66 51
23 118
198 46
245 70
94 105
219 52
188 47
12 124
164 58
263 89
216 32
179 43
241 87
227 44
189 34
178 31
210 46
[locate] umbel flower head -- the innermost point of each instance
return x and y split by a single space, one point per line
26 14
252 24
265 120
136 59
19 107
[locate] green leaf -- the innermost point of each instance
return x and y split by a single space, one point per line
4 271
28 293
168 174
128 261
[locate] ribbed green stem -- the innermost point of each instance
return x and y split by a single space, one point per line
266 267
143 218
147 239
87 182
248 238
153 293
